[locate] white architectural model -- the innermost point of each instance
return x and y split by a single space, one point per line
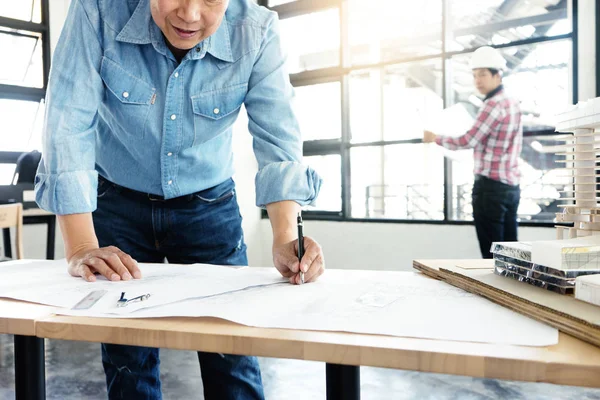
575 256
580 153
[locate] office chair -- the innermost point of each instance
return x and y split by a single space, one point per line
27 164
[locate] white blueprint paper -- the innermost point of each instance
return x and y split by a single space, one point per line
47 282
453 121
372 302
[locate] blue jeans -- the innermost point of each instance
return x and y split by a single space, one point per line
204 227
495 207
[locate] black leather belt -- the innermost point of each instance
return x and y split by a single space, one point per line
141 196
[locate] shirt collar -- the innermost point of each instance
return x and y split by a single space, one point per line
494 92
141 29
221 42
138 29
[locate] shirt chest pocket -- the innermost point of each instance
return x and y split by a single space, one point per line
128 98
216 110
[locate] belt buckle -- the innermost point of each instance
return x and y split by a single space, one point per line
153 197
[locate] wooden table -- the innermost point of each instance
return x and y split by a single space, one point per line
570 362
19 319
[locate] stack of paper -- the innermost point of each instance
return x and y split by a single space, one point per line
579 253
588 289
537 263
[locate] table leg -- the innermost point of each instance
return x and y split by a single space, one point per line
50 238
30 369
7 245
343 382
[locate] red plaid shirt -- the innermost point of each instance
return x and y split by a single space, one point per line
496 137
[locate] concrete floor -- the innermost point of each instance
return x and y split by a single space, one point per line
74 371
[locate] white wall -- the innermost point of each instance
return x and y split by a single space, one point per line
58 13
393 246
246 169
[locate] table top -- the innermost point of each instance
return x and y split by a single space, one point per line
18 317
570 362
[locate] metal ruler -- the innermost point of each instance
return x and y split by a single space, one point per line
89 300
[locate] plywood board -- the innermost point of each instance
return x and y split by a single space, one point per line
569 315
473 264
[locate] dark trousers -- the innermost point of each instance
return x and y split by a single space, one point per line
201 228
495 207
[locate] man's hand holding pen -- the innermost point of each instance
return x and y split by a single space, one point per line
286 260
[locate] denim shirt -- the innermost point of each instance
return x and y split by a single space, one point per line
119 104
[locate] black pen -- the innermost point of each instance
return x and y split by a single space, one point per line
300 245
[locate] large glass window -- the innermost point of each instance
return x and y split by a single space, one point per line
402 181
308 47
394 102
25 65
496 22
273 3
24 10
384 30
25 48
21 125
397 64
329 167
319 110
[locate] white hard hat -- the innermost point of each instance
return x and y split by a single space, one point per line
487 57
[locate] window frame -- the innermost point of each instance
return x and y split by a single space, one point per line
342 73
23 93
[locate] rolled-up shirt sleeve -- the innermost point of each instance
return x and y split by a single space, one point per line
66 180
276 135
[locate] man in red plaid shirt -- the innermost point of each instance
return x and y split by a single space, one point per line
496 138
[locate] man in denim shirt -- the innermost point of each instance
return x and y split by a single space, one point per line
137 159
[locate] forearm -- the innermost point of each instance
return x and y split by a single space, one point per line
458 143
282 215
78 233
